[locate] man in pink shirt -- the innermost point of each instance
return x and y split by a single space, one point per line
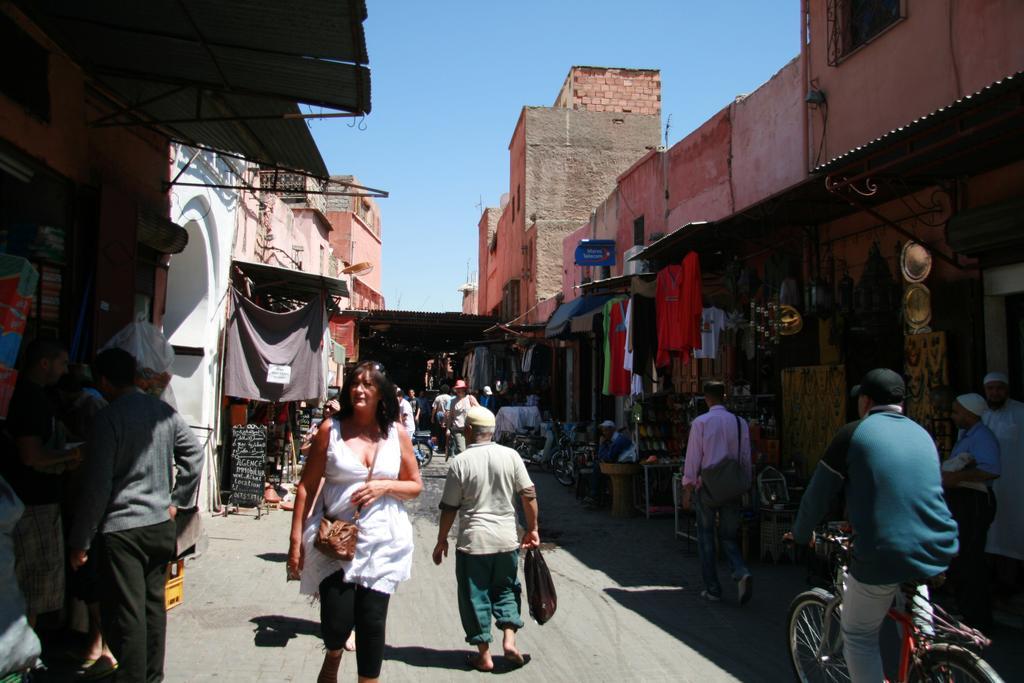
715 436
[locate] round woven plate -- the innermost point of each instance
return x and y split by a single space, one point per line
915 262
790 321
917 306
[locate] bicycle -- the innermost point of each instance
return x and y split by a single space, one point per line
565 463
934 645
424 447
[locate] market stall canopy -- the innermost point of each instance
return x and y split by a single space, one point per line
421 331
560 323
291 284
228 74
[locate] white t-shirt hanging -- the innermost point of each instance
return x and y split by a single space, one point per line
712 322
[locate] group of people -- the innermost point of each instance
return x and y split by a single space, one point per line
913 516
101 472
361 466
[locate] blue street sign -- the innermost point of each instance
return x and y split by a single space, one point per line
595 253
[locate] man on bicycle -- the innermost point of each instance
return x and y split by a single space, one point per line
888 468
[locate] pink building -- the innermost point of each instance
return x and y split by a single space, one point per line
357 239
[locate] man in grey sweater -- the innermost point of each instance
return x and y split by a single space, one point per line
144 464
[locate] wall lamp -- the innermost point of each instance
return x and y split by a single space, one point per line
814 96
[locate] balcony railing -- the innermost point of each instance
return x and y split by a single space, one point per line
294 188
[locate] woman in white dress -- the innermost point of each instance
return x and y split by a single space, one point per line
364 434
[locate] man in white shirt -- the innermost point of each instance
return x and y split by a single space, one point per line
481 488
1005 417
405 412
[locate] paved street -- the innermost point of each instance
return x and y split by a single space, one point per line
628 608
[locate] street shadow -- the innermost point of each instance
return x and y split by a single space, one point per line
427 658
273 557
276 630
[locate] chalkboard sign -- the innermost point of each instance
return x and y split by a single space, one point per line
248 462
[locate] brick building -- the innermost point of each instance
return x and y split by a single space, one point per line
563 160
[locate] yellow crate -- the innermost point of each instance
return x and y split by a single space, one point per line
174 589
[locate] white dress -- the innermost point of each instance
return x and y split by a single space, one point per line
384 547
1005 536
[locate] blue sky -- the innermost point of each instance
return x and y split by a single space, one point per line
449 80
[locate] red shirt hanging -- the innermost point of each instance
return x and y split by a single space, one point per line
619 376
692 307
669 313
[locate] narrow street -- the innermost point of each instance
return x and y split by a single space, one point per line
628 607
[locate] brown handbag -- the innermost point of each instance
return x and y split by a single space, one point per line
337 538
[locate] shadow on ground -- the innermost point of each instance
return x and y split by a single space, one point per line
427 658
273 557
276 630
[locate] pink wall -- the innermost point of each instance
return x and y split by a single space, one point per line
354 241
911 69
699 173
641 192
767 137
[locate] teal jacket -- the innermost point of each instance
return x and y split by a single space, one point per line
889 468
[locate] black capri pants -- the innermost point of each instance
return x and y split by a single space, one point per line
344 606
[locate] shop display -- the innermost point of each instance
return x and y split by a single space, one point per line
813 409
926 368
661 431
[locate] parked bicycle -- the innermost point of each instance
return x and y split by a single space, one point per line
569 456
934 645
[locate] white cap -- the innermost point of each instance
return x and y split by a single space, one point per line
996 377
607 423
974 403
487 391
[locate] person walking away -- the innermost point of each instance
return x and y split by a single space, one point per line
967 476
33 462
716 436
613 443
405 412
460 405
888 467
439 410
368 465
481 488
144 463
1005 417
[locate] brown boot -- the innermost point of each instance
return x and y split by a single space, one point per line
329 669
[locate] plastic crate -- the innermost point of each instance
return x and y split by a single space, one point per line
174 588
775 523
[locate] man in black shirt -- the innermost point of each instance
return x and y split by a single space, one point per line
33 460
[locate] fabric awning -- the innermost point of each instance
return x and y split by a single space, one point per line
291 284
224 73
560 323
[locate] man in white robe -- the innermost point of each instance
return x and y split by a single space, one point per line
1005 418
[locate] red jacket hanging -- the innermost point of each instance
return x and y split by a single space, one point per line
669 313
692 307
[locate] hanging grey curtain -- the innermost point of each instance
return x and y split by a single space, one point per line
274 356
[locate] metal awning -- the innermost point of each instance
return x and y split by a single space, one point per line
422 331
673 245
617 283
973 134
560 323
223 73
159 232
291 284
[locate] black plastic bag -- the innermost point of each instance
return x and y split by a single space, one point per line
540 589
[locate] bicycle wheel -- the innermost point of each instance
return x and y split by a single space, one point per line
944 663
426 454
561 466
804 628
